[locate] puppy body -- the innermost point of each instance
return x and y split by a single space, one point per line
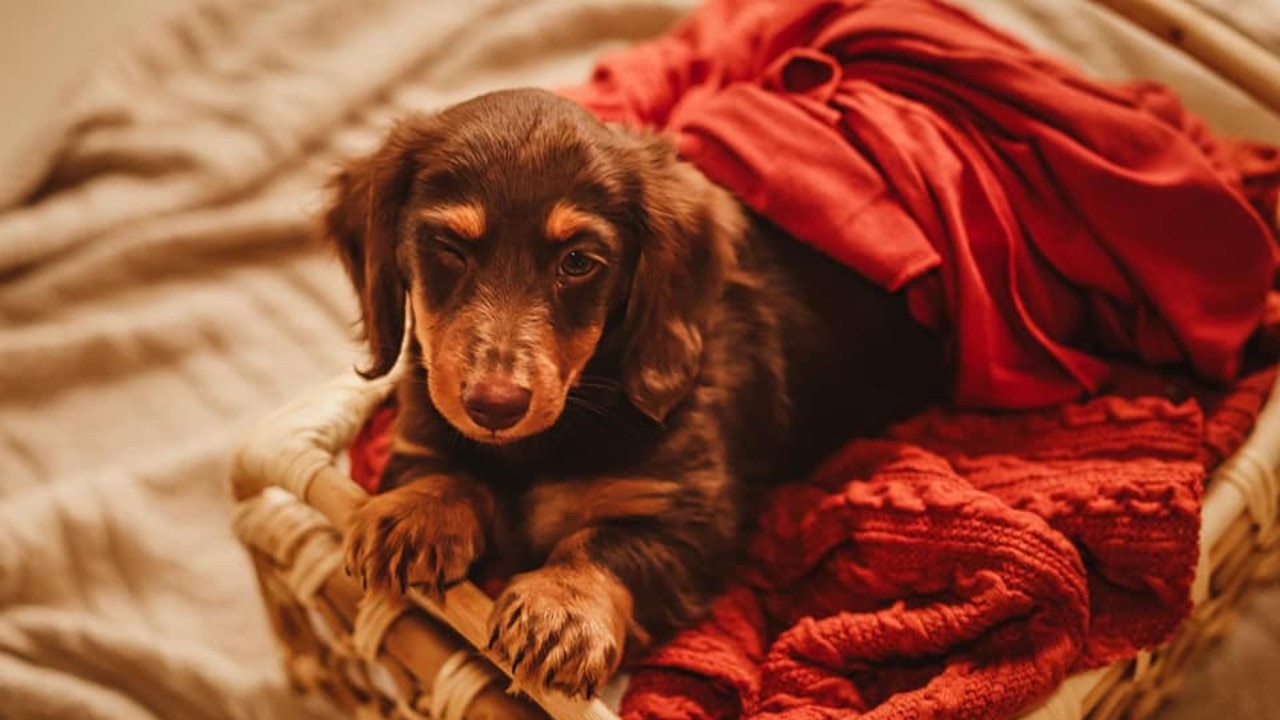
701 355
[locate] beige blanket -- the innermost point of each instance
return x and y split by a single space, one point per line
160 288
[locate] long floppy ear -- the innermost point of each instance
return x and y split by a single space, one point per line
362 224
691 229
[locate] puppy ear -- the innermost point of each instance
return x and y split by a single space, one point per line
362 223
691 228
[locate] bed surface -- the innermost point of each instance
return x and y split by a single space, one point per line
162 292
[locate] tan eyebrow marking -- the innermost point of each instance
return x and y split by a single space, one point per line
465 219
566 220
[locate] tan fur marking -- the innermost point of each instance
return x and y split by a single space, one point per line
577 349
442 361
465 219
448 369
556 510
566 220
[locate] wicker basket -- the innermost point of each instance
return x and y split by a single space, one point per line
416 658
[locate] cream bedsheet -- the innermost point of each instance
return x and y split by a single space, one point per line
160 289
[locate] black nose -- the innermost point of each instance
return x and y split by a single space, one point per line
496 404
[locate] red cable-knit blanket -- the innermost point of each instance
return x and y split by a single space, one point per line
965 563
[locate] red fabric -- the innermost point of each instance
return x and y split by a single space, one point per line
1046 221
372 448
965 563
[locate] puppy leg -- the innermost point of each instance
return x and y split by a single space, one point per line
567 625
426 532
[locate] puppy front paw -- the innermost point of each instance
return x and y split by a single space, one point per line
413 536
559 629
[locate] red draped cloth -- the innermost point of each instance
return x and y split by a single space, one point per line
1046 222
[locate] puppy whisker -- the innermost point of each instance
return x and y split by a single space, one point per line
587 405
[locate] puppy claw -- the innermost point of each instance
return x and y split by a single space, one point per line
402 568
519 659
515 688
513 616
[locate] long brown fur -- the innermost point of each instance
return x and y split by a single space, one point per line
702 356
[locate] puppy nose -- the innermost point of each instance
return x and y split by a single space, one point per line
496 404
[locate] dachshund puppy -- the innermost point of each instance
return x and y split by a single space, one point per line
609 357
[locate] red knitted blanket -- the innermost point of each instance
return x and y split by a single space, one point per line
965 563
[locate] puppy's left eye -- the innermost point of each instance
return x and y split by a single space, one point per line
577 264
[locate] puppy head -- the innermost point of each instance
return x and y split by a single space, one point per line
517 226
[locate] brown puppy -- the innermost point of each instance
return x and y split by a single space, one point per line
608 356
